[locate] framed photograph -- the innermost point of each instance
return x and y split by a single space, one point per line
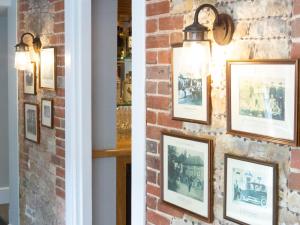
48 68
262 100
31 122
250 191
191 85
30 80
187 173
47 113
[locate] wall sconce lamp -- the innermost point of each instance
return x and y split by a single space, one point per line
22 57
223 27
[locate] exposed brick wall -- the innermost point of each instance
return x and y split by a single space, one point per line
42 166
264 29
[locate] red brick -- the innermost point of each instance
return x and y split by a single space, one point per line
163 207
151 57
59 28
151 202
295 50
57 39
151 117
176 38
296 9
171 23
60 70
295 159
158 179
157 219
151 87
60 143
60 133
295 28
60 172
294 181
153 162
59 112
60 152
153 132
164 57
153 190
60 102
60 193
158 72
58 161
59 6
60 60
59 17
164 88
165 119
60 92
60 183
151 25
158 41
158 8
158 102
151 176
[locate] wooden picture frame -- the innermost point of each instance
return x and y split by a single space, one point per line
30 80
31 122
188 189
48 68
262 100
251 191
191 87
47 113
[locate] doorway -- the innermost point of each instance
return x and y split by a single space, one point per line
79 103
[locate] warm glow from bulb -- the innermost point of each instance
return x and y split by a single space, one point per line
22 60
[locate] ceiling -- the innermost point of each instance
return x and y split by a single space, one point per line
124 10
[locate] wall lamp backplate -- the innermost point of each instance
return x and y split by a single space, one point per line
223 29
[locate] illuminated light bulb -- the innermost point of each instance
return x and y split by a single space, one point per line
22 60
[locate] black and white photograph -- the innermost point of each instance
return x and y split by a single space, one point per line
191 84
47 113
48 68
186 174
251 191
31 122
30 80
262 98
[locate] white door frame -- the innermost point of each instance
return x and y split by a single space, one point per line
79 113
14 210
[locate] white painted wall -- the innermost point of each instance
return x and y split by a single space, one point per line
13 117
104 69
4 150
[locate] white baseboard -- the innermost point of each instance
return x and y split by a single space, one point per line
4 195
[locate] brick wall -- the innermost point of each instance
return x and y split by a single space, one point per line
42 166
264 29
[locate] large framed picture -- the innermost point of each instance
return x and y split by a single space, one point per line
250 191
262 100
187 173
31 122
48 68
47 113
30 80
191 86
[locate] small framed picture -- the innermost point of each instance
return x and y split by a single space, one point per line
191 85
31 122
187 173
30 80
262 100
48 68
47 113
250 191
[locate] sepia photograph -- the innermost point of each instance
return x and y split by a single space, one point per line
31 120
47 113
250 191
190 86
30 80
187 174
48 68
262 100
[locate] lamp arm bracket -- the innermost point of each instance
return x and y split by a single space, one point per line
213 8
27 33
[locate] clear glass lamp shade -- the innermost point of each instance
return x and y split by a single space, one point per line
22 60
198 56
